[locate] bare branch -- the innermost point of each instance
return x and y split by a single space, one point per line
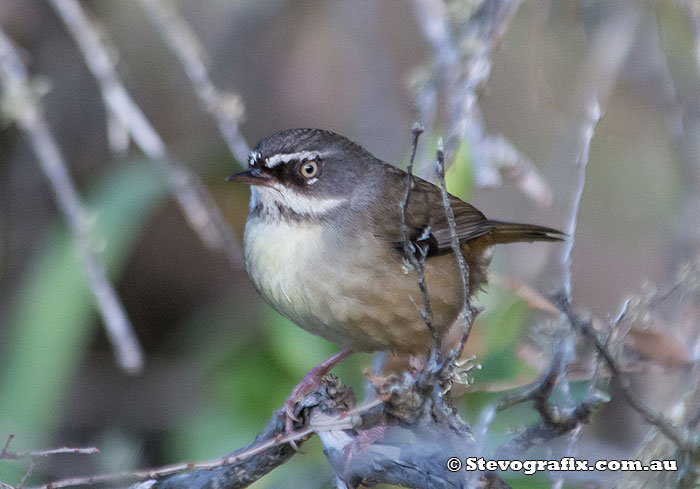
236 470
247 464
227 109
468 312
650 416
26 475
412 253
6 454
540 391
57 451
462 72
539 434
33 455
594 115
599 71
194 199
20 101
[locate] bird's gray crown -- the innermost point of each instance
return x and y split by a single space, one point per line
302 144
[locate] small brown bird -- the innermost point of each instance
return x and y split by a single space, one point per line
324 244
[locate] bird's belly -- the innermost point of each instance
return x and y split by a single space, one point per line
353 298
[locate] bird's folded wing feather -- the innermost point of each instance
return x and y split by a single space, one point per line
429 229
427 221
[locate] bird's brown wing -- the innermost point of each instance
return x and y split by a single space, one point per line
428 225
470 223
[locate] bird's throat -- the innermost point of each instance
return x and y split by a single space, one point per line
278 202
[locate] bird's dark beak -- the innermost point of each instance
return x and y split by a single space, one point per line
253 176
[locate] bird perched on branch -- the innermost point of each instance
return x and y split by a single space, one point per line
324 244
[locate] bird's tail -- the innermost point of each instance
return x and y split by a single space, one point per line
512 232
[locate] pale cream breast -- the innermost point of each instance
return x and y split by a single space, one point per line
351 296
278 259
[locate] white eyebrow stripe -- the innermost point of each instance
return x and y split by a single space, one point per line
274 160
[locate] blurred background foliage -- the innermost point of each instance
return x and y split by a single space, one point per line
219 361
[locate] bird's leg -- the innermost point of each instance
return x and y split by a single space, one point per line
416 363
312 380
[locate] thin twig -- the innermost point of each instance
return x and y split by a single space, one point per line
22 103
650 416
227 109
597 361
468 313
26 475
538 392
166 470
34 454
411 250
539 434
594 114
4 452
612 43
194 199
462 59
272 447
57 451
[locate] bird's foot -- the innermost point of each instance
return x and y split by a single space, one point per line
312 380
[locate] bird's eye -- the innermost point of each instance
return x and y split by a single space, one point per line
309 169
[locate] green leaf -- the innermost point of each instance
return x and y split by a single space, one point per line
503 333
504 321
295 349
459 177
52 315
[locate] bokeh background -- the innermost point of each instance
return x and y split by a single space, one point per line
218 360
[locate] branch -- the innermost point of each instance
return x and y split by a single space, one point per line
594 114
468 312
20 100
227 109
242 467
6 454
34 454
412 252
546 431
555 420
412 407
598 72
463 65
194 199
650 416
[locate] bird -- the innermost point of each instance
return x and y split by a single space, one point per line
324 245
